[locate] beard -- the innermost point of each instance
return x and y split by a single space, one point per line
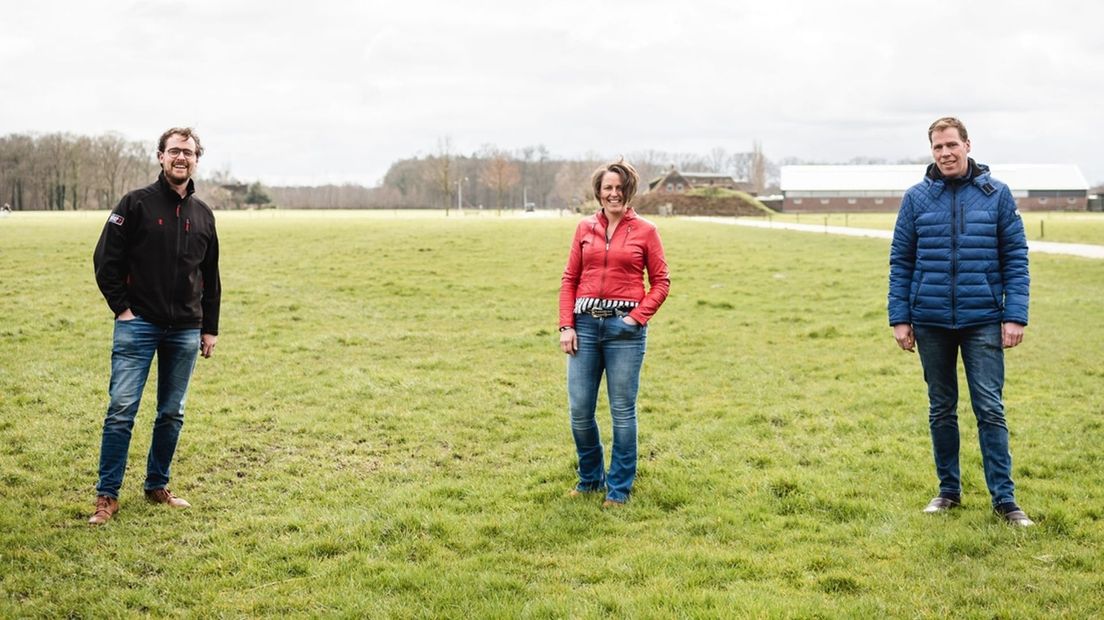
178 175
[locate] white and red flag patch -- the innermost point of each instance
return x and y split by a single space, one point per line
116 219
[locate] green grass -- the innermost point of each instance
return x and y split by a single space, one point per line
1060 226
382 432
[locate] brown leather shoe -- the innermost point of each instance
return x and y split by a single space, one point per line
165 496
611 503
106 507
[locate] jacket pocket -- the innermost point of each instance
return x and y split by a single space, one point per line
997 291
914 287
193 248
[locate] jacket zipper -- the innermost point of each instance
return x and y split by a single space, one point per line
176 266
954 256
605 263
605 258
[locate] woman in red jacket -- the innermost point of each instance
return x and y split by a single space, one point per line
604 312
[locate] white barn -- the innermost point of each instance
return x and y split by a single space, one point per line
836 189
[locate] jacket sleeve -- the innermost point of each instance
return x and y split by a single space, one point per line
569 283
1013 260
659 280
902 263
212 285
110 261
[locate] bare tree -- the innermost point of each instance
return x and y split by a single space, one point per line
718 160
739 166
572 186
758 170
649 164
49 177
440 170
16 155
112 162
501 175
80 171
691 162
525 164
544 175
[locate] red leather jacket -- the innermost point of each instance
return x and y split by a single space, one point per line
615 271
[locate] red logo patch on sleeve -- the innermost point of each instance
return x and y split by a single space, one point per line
116 219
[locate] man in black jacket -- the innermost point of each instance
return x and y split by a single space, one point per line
157 266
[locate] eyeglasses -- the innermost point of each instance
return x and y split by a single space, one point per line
187 153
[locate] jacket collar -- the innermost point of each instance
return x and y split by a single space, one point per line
629 216
163 183
976 174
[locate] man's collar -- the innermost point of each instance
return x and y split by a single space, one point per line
973 170
168 187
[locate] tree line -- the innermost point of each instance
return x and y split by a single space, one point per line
495 178
62 171
65 172
58 171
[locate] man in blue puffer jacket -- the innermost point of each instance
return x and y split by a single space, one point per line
958 280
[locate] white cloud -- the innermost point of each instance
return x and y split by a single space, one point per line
336 91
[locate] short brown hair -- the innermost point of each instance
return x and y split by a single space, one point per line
187 132
623 169
946 123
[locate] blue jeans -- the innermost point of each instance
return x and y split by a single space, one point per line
135 342
983 358
613 347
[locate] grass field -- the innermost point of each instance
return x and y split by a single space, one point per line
1060 226
383 433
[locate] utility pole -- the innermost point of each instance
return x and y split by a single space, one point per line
460 194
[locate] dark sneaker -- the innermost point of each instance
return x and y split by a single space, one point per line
941 504
165 496
1012 513
106 507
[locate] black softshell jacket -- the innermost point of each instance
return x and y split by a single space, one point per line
158 255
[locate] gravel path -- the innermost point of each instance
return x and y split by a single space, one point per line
1046 247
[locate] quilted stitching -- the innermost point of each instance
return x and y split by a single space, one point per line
959 256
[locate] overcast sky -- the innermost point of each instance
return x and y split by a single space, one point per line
334 91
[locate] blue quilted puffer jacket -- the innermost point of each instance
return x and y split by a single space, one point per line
959 254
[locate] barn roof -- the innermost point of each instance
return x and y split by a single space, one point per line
708 175
1019 177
